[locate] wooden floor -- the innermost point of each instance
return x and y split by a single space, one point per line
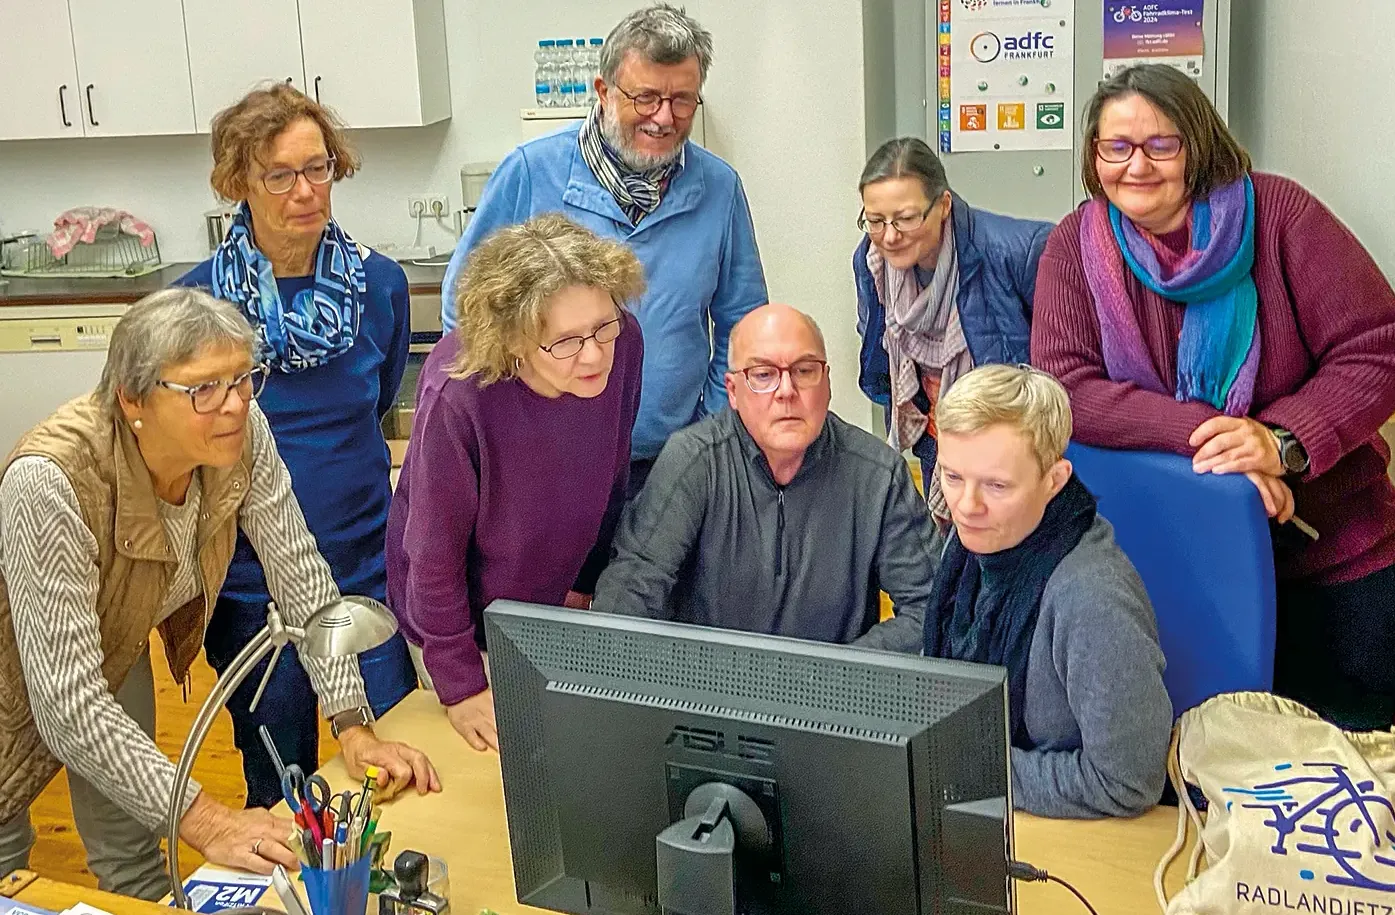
58 853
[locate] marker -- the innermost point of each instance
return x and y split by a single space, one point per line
365 800
327 855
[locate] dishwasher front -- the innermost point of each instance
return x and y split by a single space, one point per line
49 354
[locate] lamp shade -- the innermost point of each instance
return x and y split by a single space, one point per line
347 626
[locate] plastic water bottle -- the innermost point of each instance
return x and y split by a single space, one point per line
580 67
593 67
542 74
565 68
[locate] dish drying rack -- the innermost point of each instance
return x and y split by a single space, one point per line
113 253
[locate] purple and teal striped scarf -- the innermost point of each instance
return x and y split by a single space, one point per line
1218 353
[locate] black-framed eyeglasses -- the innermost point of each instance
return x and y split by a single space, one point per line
1159 148
876 225
765 378
210 396
648 102
280 180
568 347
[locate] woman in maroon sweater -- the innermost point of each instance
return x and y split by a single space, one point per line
1195 307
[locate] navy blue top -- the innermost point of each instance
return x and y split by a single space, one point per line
327 425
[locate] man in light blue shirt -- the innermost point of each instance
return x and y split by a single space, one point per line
629 173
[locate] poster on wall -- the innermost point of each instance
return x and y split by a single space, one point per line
1006 74
1160 32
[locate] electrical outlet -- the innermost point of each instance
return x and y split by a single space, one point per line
428 205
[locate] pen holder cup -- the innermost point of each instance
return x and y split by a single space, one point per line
338 892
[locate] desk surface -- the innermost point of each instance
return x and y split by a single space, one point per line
1110 861
44 893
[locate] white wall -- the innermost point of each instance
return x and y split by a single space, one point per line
785 107
1309 97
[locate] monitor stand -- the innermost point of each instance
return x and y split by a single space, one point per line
696 855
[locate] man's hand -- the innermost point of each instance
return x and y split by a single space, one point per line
577 601
249 840
1277 497
399 765
473 719
1235 444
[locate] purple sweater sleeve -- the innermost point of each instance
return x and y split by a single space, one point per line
1346 314
436 539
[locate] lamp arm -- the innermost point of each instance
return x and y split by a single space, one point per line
242 665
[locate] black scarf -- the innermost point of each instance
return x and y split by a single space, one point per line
985 606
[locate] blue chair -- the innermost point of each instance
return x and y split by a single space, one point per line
1201 544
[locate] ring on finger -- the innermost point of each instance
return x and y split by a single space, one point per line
256 846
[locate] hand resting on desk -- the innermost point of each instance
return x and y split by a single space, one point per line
473 719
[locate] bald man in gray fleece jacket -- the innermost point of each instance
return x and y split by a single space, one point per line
777 516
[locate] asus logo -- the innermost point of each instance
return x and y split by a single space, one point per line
703 740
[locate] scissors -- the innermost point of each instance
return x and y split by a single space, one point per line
308 797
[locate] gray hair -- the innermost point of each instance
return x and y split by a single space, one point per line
166 328
907 157
663 33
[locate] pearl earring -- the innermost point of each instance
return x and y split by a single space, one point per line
137 424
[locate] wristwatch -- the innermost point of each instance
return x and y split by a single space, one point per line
350 718
1292 454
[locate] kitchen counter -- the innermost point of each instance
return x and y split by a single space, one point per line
68 290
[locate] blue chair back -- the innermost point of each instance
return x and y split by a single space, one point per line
1201 544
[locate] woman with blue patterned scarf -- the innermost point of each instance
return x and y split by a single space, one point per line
332 323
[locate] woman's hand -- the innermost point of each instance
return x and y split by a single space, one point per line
577 601
473 719
1235 444
399 765
249 840
1277 497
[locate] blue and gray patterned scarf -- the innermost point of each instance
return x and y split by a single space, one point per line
637 193
320 323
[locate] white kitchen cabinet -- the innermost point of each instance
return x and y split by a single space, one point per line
133 67
384 65
38 73
226 61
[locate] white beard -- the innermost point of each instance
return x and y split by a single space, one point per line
635 160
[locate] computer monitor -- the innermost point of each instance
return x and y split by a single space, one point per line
655 767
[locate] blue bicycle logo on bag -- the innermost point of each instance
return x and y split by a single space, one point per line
1347 821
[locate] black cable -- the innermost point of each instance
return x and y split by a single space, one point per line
1021 870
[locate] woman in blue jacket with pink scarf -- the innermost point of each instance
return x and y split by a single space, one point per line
941 288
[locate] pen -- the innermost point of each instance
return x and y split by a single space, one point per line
365 800
327 855
368 832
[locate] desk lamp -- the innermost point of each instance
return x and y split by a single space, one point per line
341 628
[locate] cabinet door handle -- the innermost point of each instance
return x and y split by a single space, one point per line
90 116
317 89
63 105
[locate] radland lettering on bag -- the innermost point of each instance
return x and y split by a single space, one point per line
1280 898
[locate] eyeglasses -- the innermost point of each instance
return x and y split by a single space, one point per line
568 347
876 225
649 102
210 396
1160 148
281 180
804 374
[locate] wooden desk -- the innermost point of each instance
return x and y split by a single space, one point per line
44 893
1110 861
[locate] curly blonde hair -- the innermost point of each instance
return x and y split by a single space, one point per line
243 131
501 299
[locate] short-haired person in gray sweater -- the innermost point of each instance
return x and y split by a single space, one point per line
776 516
1032 579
